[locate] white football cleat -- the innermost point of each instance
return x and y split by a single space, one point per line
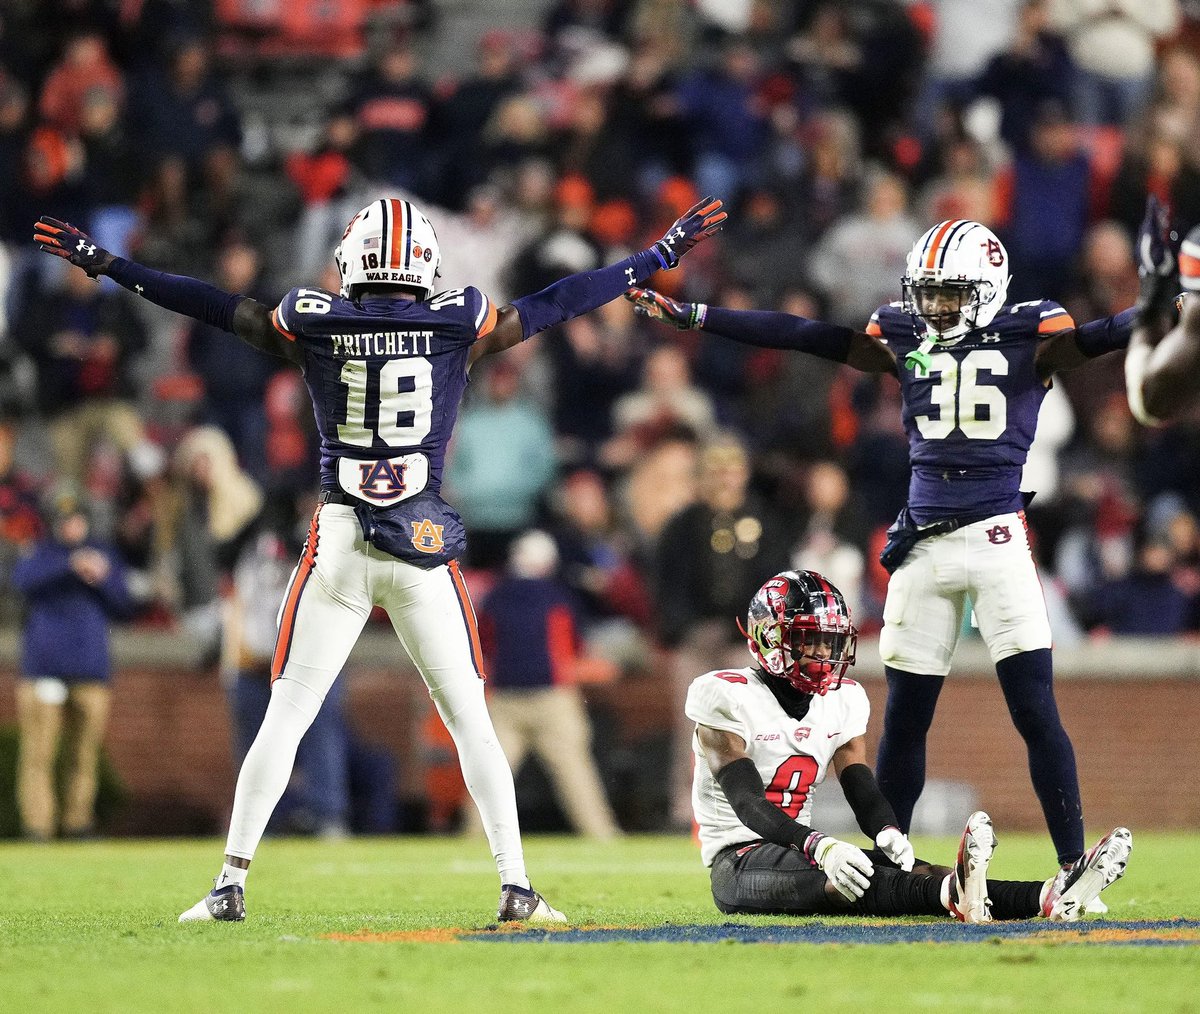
518 904
968 887
1073 889
226 905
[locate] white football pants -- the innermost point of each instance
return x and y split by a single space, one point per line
333 589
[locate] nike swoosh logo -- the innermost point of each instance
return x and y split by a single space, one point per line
832 734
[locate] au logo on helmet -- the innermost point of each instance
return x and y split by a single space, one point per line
427 537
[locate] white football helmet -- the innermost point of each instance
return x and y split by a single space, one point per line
956 278
388 243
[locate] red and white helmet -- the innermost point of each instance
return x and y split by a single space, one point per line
960 257
388 243
798 628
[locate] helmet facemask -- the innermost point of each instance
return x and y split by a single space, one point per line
949 309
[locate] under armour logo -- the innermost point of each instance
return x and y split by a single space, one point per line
86 247
991 336
138 289
631 275
998 535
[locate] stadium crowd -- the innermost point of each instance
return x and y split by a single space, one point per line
673 469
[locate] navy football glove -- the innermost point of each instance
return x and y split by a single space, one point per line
63 240
1157 264
703 220
684 316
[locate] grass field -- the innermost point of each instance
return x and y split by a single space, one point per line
92 927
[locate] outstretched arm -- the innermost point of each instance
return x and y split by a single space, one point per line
579 293
872 811
245 317
771 330
1076 346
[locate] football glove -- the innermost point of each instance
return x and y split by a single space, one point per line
684 316
848 868
1157 265
701 221
894 844
63 240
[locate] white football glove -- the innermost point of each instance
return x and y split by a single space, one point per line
894 844
848 868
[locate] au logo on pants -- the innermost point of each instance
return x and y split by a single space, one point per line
427 537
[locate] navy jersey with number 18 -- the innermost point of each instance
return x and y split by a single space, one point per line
386 377
971 419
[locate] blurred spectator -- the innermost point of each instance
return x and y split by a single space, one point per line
112 177
318 798
1176 109
83 342
859 261
598 566
1045 199
659 484
235 375
392 107
463 114
711 558
1158 166
480 245
20 522
202 518
72 587
183 111
1148 601
172 238
498 484
832 532
965 36
829 185
84 70
1032 70
594 359
667 401
727 119
564 247
531 647
1112 43
963 186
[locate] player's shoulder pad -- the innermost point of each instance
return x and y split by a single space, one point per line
712 698
298 304
856 706
1043 317
1189 261
469 307
886 315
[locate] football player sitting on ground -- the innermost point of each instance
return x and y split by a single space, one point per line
386 364
973 372
1162 366
766 734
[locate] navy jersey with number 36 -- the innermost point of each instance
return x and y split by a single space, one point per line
971 419
385 375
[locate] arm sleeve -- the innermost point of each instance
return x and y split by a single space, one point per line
743 787
577 294
189 296
871 810
772 330
1108 334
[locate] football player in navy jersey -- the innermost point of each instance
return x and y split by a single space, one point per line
1162 367
973 372
386 362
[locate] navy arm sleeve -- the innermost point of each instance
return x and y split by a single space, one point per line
772 330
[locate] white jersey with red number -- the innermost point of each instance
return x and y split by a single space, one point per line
791 756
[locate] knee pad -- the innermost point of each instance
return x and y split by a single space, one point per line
299 698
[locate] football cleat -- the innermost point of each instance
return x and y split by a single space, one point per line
1072 889
226 905
968 889
520 905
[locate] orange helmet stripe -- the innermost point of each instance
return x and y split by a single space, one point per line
937 240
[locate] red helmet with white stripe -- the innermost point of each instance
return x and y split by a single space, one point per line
389 244
798 628
956 278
